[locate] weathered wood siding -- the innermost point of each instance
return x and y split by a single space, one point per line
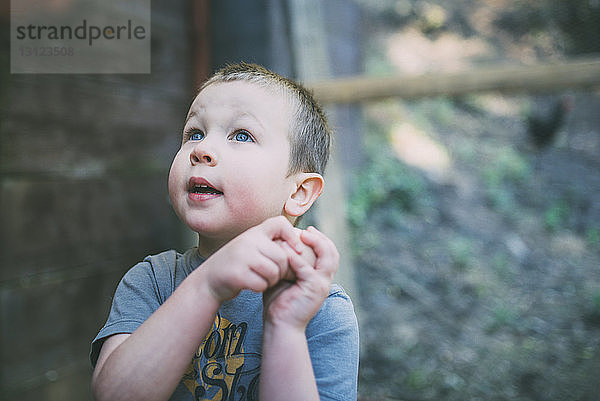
83 177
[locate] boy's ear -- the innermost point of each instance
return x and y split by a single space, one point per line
308 188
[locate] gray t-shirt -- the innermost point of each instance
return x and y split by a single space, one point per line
227 364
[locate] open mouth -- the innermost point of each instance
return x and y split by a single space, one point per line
201 186
205 189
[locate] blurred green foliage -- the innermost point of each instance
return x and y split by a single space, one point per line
461 252
577 21
384 180
556 215
502 174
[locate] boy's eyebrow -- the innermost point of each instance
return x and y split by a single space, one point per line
247 113
191 114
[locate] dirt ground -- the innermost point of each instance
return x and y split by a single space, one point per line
478 252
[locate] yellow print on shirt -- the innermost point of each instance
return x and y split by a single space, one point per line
220 369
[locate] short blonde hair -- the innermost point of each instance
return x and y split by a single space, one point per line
310 135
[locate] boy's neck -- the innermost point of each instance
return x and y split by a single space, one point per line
208 246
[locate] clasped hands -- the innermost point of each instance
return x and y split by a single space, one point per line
293 268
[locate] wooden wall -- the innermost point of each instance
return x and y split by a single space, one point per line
83 179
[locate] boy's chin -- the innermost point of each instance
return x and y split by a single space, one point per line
218 231
215 232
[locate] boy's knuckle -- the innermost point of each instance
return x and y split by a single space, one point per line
278 220
236 279
329 261
280 260
323 286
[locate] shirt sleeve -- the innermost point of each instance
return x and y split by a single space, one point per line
333 344
137 296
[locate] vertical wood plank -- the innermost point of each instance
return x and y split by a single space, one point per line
312 63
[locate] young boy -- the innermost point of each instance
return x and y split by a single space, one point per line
250 313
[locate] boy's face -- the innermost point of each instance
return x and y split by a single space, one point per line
230 173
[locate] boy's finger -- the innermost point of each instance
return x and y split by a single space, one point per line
274 251
280 228
300 267
313 282
326 251
267 270
289 274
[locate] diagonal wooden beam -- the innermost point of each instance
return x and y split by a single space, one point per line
538 78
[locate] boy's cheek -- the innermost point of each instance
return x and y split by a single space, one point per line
175 177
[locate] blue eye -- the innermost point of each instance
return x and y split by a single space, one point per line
196 136
242 136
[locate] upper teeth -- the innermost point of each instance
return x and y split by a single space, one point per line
204 188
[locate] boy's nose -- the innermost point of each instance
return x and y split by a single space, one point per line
202 155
